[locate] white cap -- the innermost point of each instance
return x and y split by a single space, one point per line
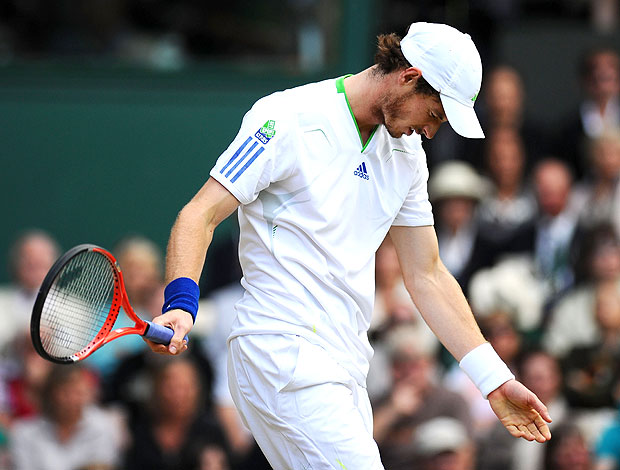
450 63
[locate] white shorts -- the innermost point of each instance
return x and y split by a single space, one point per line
304 410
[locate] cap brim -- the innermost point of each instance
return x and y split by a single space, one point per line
462 118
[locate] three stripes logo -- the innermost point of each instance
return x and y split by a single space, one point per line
247 153
361 171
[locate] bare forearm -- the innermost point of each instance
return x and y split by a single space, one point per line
189 240
193 230
444 307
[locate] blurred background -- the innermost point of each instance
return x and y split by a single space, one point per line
112 113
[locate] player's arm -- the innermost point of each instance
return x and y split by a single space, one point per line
441 302
189 240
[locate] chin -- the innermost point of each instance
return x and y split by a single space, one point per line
395 134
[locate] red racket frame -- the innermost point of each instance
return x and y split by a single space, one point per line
106 333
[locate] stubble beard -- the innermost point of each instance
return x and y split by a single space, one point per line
388 110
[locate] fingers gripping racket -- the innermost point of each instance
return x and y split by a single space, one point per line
78 304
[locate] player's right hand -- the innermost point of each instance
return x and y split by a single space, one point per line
181 323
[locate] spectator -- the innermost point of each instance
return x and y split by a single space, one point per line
555 224
174 419
129 386
591 371
25 383
444 444
141 263
212 457
72 432
415 397
607 448
600 194
455 190
604 15
30 258
599 110
572 321
540 267
503 100
20 390
509 205
567 450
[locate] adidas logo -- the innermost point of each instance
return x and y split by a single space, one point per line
361 171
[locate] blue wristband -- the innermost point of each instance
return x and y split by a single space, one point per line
183 294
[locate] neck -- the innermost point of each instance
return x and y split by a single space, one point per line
171 435
66 430
611 337
508 191
602 102
365 92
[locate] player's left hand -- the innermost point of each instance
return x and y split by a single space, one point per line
181 323
520 411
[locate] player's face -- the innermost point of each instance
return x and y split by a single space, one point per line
411 113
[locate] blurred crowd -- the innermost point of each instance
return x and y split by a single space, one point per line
166 34
303 34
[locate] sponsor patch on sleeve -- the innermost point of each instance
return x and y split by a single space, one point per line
266 133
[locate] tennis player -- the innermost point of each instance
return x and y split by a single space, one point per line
320 174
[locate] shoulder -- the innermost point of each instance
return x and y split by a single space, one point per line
576 299
97 420
8 293
295 110
29 428
292 101
274 117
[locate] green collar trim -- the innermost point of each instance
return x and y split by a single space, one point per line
340 88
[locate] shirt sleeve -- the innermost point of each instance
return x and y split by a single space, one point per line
259 155
416 210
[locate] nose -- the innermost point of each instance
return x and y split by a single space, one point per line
430 130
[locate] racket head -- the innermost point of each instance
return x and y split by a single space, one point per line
77 305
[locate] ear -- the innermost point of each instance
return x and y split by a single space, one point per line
409 76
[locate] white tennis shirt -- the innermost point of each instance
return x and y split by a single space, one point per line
315 205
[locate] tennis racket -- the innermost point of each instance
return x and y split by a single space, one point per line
78 304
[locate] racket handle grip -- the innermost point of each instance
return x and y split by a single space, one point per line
159 333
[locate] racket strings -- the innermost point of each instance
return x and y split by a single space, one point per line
77 305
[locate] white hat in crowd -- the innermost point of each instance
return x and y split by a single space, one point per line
456 179
451 64
439 435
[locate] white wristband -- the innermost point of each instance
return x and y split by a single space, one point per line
485 368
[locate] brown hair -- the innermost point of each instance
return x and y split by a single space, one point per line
389 58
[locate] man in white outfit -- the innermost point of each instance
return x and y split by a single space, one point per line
319 175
